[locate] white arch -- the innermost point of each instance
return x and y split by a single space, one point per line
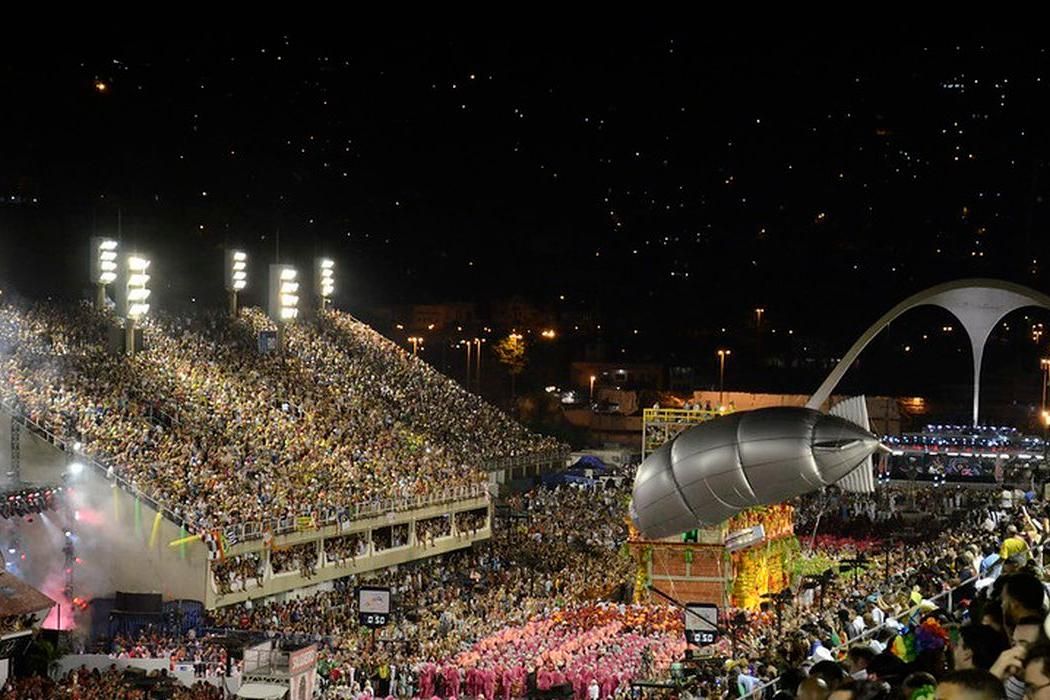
979 304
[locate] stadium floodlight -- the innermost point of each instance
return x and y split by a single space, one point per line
103 266
236 276
136 287
133 295
284 293
324 279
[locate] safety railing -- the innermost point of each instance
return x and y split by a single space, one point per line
324 516
678 415
760 691
530 459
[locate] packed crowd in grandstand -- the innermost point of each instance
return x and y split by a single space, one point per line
211 429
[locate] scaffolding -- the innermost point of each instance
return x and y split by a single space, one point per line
659 425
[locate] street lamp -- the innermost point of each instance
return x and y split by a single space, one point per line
758 317
133 296
722 355
236 274
593 377
284 298
324 280
415 340
468 344
477 362
1044 365
103 266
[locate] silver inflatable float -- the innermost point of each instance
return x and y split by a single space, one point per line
714 470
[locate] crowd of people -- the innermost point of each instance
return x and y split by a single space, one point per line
221 434
238 570
544 604
536 608
930 597
111 684
299 557
940 585
559 549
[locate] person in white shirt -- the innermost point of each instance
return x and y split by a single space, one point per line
821 653
856 627
593 690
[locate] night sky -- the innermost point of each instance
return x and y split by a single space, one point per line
664 183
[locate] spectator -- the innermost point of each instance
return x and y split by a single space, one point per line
970 684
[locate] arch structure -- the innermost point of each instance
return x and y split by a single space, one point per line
978 304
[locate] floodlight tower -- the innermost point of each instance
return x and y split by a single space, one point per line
103 266
324 280
236 276
133 295
284 298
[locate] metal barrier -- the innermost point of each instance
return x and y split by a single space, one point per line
679 415
531 459
322 516
758 691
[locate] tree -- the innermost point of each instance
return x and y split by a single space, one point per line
43 657
511 353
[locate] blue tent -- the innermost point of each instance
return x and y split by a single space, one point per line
589 462
562 478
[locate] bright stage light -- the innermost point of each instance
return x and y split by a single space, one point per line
76 468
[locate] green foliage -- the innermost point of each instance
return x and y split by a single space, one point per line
510 352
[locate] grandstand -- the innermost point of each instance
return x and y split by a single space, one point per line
226 474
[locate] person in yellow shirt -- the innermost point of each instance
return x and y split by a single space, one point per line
1014 551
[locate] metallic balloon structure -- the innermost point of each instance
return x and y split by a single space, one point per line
714 470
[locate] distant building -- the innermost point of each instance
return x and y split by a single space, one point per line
443 317
518 314
618 375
